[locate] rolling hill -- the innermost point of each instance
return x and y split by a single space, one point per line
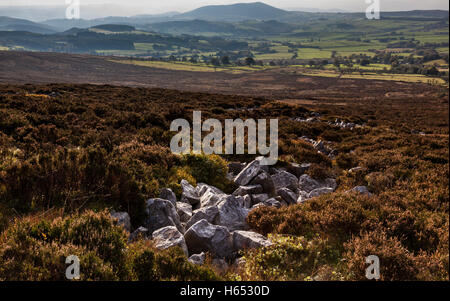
236 12
14 24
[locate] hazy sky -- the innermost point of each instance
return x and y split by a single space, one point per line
158 6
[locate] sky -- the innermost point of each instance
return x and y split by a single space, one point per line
158 6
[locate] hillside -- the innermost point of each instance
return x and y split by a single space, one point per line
236 12
14 24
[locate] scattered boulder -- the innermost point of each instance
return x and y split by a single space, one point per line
122 219
251 189
361 190
265 180
298 169
247 201
198 259
169 236
284 179
231 214
211 197
168 194
287 195
320 191
189 194
258 198
248 173
202 188
140 232
306 183
207 213
184 211
204 236
161 213
249 240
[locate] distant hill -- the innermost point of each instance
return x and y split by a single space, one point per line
202 27
14 24
236 12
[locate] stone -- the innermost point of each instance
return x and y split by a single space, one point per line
231 214
264 179
168 194
258 198
320 191
168 237
329 182
249 240
287 195
298 169
189 194
302 197
140 232
251 189
184 211
272 202
161 213
361 190
210 198
202 188
197 259
206 237
247 201
207 213
306 183
122 219
248 173
284 179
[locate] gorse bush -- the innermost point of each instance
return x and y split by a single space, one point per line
289 258
37 249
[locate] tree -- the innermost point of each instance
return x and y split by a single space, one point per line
249 61
225 60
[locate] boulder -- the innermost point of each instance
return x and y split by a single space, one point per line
298 169
168 237
302 197
272 202
320 191
331 183
258 198
168 194
361 190
189 194
206 237
247 201
284 179
184 211
264 179
140 232
231 214
161 213
251 189
249 240
287 195
202 188
122 219
198 259
207 213
211 197
248 173
306 183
